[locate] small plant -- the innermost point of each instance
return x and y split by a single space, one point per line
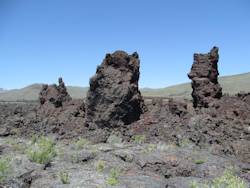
94 149
199 161
114 139
34 138
75 158
228 180
64 177
100 166
165 147
113 177
10 141
81 143
139 139
4 168
184 143
19 147
150 148
42 151
194 184
60 152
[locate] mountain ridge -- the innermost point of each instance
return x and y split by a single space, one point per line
231 84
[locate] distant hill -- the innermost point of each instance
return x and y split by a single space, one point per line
1 90
30 93
230 84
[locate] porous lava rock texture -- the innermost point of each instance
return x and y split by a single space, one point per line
113 99
244 97
204 75
55 94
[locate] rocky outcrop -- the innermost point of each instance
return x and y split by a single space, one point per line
57 113
113 98
55 94
204 76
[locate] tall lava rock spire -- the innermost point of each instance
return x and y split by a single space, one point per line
114 98
204 75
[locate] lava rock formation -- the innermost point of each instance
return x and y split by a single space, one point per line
54 94
204 75
113 98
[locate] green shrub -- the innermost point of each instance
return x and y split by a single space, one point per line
199 161
41 151
114 139
81 143
100 166
184 143
161 146
64 177
34 139
75 157
150 148
228 180
113 177
4 168
139 139
194 184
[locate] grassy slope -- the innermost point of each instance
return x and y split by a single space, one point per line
31 93
230 84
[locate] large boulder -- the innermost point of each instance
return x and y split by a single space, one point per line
204 75
55 94
113 98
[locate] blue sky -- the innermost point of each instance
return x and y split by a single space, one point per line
41 40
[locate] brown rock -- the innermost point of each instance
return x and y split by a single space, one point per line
178 108
113 98
204 75
54 94
244 97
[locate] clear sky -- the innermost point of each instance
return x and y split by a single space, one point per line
41 40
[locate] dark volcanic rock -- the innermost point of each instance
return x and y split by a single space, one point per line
231 108
178 108
56 113
32 118
166 165
244 96
54 94
204 76
114 99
